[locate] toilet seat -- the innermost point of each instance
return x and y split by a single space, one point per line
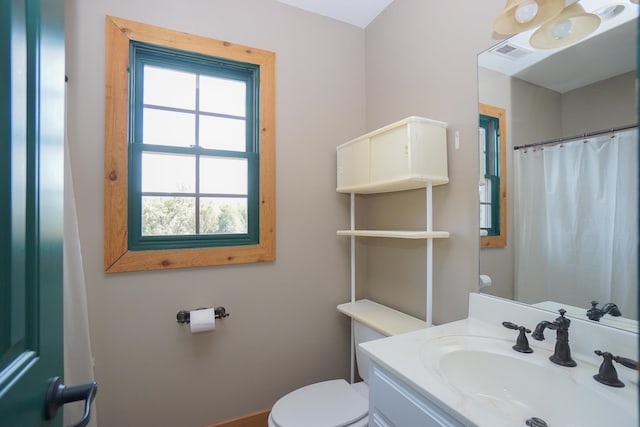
332 403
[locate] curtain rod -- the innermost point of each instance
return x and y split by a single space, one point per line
583 135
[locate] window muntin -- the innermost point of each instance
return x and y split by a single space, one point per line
193 151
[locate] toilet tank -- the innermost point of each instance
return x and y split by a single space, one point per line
372 321
363 333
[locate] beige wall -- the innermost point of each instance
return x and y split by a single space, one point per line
606 104
284 330
421 60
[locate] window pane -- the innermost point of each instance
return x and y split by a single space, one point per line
168 173
169 88
221 215
485 216
168 128
166 216
485 204
223 175
222 134
222 96
485 191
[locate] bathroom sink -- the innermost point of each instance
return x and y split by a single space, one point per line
486 371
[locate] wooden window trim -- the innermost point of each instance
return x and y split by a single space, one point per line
500 240
117 256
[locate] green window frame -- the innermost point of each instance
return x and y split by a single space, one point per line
491 160
143 55
124 151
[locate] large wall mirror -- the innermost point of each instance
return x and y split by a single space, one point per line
571 168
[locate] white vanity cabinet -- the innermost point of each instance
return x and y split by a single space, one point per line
392 403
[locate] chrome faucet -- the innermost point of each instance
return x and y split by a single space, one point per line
595 313
562 353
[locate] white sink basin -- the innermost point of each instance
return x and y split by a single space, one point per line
487 371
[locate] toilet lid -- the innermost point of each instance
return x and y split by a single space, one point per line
327 404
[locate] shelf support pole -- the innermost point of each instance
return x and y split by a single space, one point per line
429 272
353 281
353 247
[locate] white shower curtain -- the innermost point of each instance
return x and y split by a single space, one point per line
576 222
78 358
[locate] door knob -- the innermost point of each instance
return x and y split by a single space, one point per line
58 394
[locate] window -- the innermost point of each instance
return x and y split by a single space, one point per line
189 150
193 150
492 185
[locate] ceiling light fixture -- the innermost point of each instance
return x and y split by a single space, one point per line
526 11
522 15
571 25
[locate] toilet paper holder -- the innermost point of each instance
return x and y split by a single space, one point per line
184 316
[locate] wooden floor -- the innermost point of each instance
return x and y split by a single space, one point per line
258 419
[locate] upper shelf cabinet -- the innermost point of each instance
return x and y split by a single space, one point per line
402 156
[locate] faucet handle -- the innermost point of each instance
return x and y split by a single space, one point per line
624 361
607 373
594 313
522 343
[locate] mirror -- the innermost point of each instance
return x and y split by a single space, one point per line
560 97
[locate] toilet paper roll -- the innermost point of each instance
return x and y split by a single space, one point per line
202 320
485 281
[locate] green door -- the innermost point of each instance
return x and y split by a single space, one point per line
31 208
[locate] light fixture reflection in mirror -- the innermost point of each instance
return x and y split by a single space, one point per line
522 15
586 86
609 12
571 25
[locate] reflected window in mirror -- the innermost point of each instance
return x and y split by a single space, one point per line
492 178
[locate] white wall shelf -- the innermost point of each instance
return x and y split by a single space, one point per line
409 154
404 155
395 234
381 318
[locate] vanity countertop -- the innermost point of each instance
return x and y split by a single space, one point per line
414 358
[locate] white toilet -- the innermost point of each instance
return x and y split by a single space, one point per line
336 403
